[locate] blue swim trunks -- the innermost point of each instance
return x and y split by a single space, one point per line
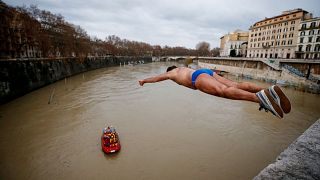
198 72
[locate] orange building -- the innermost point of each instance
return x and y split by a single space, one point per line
276 37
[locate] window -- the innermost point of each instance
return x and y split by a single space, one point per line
301 40
311 32
308 48
293 22
302 33
310 39
313 24
303 26
318 39
317 47
300 48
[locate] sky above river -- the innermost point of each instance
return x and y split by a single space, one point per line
167 22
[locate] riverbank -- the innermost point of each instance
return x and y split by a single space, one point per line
301 160
19 77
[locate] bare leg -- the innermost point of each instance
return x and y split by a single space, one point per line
210 85
242 85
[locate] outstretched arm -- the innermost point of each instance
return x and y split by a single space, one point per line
154 79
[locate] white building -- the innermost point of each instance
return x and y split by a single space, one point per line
236 41
308 42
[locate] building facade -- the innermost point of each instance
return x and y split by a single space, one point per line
276 37
234 44
308 42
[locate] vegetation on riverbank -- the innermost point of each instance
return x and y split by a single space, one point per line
29 32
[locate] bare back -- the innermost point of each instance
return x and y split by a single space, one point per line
182 76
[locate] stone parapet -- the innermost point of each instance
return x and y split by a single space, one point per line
301 160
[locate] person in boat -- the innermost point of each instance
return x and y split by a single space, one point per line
107 130
271 99
106 140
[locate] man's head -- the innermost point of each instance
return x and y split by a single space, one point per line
170 68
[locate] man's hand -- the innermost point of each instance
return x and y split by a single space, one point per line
141 82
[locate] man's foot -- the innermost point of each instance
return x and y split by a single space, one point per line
267 103
281 99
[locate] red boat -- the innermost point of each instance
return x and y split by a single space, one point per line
110 142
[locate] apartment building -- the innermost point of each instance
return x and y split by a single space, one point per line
236 42
276 37
308 42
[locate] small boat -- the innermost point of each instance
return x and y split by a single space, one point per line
110 142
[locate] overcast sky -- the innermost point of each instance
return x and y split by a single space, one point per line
167 22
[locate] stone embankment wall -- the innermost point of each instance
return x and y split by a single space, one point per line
19 77
256 70
262 71
301 160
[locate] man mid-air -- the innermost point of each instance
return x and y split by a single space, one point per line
206 80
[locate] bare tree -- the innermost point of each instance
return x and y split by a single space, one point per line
215 52
203 48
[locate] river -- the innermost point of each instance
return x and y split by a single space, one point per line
167 131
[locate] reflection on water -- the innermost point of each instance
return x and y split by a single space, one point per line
166 131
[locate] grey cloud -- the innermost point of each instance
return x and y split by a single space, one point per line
167 22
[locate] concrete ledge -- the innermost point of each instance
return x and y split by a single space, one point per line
301 160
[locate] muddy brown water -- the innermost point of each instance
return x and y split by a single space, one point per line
166 131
